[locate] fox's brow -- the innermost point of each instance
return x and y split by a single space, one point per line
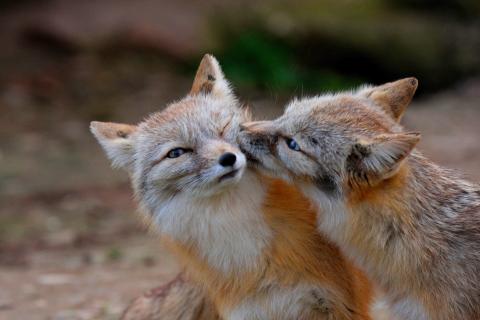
226 125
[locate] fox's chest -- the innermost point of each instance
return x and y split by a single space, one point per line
409 309
225 246
301 301
228 234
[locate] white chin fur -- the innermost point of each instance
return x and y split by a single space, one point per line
227 231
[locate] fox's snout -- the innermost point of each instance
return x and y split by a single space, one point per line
218 152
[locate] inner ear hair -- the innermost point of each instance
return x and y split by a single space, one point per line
380 158
209 79
116 140
394 97
110 130
207 74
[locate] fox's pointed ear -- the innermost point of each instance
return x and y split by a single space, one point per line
210 79
258 127
380 158
116 140
393 97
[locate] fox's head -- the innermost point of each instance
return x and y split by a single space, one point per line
336 142
187 150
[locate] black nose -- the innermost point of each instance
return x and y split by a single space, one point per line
227 159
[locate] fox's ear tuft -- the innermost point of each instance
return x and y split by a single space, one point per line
210 79
116 140
381 157
393 97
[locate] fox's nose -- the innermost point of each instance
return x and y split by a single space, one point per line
227 159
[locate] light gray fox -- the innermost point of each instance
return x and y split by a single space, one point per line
413 226
249 241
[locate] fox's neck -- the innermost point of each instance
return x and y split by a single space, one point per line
420 192
398 232
226 232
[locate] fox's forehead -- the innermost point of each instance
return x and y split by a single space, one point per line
190 119
343 112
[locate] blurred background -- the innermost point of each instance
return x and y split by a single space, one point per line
71 246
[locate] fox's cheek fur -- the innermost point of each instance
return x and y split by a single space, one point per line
268 149
272 156
196 173
173 174
296 162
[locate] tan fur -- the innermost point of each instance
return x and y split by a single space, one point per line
412 226
250 242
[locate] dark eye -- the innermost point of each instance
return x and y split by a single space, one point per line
175 153
292 144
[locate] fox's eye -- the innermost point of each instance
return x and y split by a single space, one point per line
292 144
175 153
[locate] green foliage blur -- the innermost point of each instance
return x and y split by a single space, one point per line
331 45
255 58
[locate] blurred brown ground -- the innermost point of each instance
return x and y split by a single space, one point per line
71 246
